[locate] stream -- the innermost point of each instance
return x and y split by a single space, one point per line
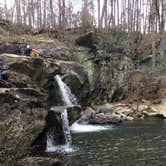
140 143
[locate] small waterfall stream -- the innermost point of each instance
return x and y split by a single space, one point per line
66 127
68 99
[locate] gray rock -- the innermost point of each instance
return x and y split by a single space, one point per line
106 108
88 114
102 118
163 102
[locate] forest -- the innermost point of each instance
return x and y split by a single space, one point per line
146 16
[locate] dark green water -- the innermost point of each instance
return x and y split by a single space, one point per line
140 143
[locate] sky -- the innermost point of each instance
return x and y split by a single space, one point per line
9 2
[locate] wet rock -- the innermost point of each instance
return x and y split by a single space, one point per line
25 72
102 118
87 115
55 127
74 75
74 112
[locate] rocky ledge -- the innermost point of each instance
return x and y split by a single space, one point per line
113 113
26 95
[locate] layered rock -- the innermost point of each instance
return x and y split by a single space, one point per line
24 101
107 65
22 113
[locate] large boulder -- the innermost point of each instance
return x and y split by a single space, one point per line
24 102
22 116
26 72
75 77
107 65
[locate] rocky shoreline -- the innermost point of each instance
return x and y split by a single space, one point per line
115 113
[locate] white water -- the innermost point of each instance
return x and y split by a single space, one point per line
51 144
82 128
66 128
67 97
50 141
60 149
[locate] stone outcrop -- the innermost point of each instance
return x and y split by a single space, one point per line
22 116
107 65
24 101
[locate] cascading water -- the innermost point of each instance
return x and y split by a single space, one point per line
69 99
66 127
50 140
85 127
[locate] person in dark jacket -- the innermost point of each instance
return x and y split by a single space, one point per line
27 50
4 72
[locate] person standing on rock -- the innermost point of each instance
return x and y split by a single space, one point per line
27 50
3 70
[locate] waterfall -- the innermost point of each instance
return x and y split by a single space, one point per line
69 100
67 97
50 140
66 127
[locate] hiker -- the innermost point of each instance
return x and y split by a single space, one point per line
4 72
27 50
17 49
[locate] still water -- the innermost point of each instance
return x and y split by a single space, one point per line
141 143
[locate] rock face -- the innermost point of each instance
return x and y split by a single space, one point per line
22 116
75 77
24 101
107 66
